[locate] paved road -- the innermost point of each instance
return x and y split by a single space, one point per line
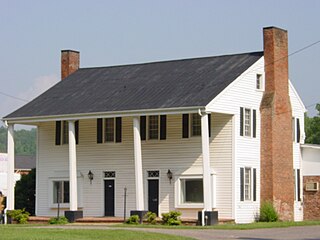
292 233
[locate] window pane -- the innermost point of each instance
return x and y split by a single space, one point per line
191 191
56 188
196 124
109 130
247 122
259 81
153 127
247 184
65 135
61 190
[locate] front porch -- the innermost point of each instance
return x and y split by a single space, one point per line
134 164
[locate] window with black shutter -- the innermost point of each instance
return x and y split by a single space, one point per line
241 184
118 129
185 125
241 121
163 127
58 132
143 128
254 184
99 130
298 130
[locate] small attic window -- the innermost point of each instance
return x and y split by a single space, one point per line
259 82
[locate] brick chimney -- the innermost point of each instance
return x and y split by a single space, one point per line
277 180
70 61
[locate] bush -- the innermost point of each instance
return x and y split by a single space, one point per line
19 215
58 220
134 219
171 218
151 217
268 213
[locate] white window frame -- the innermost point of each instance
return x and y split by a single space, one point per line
246 198
148 128
65 132
105 129
259 82
178 191
192 125
245 134
65 179
248 184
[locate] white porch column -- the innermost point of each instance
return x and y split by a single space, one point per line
72 167
206 170
10 175
138 164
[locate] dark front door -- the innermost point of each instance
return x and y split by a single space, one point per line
153 195
109 198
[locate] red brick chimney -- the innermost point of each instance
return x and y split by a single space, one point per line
277 180
70 61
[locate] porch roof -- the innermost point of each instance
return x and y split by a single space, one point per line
158 85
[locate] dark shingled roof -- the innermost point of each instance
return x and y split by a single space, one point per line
170 84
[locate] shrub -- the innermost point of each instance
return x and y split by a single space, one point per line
134 219
151 217
268 213
19 215
58 220
171 218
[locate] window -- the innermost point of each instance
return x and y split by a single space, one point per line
248 184
62 132
248 122
259 83
109 174
65 133
61 191
153 174
109 130
192 122
195 124
153 127
191 190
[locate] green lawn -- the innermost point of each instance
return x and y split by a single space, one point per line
21 233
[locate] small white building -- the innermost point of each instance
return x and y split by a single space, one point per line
178 135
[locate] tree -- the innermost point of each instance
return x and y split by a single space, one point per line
312 127
25 192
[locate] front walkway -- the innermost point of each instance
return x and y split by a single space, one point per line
292 233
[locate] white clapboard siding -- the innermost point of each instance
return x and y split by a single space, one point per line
174 153
242 93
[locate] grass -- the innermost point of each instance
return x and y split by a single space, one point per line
21 233
248 226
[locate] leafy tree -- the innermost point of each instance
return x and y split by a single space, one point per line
25 141
312 127
25 192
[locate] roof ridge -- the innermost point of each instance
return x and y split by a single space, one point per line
172 60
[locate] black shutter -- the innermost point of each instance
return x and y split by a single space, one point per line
99 130
254 123
76 126
58 132
241 121
254 184
209 124
143 127
241 184
163 127
298 184
118 129
185 125
298 130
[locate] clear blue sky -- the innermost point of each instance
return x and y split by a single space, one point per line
119 32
